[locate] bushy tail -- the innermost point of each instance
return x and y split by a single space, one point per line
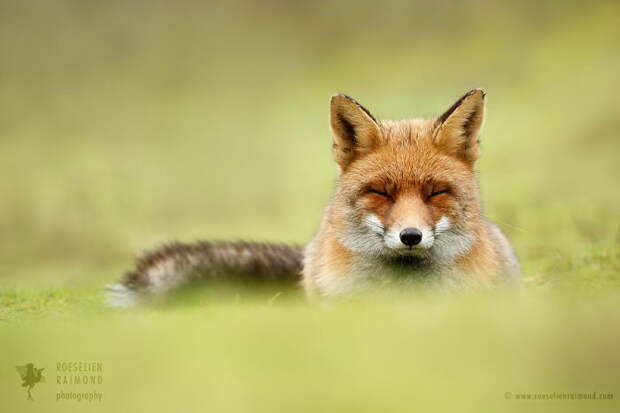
178 264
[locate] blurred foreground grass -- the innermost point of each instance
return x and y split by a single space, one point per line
123 125
473 353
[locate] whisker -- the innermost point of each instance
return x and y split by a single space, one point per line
509 225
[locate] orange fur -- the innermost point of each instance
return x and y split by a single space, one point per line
414 173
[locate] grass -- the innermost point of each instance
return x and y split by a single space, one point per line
258 355
124 126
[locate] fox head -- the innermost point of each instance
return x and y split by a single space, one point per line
408 187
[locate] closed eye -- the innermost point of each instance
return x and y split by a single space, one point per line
443 191
375 191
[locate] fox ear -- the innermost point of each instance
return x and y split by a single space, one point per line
459 127
355 129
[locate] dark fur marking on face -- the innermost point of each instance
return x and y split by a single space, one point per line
408 262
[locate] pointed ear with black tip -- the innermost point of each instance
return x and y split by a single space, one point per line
355 130
458 130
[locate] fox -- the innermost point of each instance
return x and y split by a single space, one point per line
405 209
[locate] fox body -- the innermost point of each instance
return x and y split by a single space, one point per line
405 208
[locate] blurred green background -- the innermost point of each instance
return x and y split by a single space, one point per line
127 124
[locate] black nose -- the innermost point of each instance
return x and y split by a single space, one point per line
410 236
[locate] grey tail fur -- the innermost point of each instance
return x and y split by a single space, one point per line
178 264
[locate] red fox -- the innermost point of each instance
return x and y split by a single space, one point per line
406 206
